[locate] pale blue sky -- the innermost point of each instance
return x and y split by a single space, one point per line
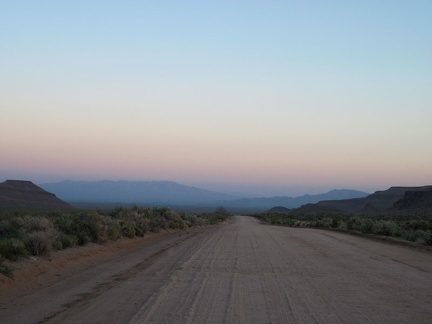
257 97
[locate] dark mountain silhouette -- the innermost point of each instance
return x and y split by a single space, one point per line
139 192
378 201
25 194
263 204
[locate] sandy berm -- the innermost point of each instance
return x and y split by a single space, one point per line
237 272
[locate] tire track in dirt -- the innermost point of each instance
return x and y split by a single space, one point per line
113 281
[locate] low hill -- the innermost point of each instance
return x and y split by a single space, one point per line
279 210
130 192
25 194
378 201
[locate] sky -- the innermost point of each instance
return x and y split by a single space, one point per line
256 98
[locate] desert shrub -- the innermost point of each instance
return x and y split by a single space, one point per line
158 222
421 236
192 220
222 211
300 223
367 226
38 243
213 219
34 223
343 225
154 227
87 227
335 222
283 221
428 240
93 225
350 224
174 220
415 225
114 231
64 241
9 230
4 269
323 222
83 239
387 228
290 222
141 226
355 223
118 212
66 223
13 249
128 229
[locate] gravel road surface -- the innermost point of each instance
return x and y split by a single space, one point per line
240 272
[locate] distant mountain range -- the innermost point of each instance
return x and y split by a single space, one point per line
25 194
177 195
266 203
130 192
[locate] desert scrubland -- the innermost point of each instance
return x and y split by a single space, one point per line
237 272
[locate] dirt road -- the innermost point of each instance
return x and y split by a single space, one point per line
241 272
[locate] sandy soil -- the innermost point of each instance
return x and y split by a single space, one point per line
240 272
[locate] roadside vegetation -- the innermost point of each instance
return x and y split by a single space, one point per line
409 228
38 233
